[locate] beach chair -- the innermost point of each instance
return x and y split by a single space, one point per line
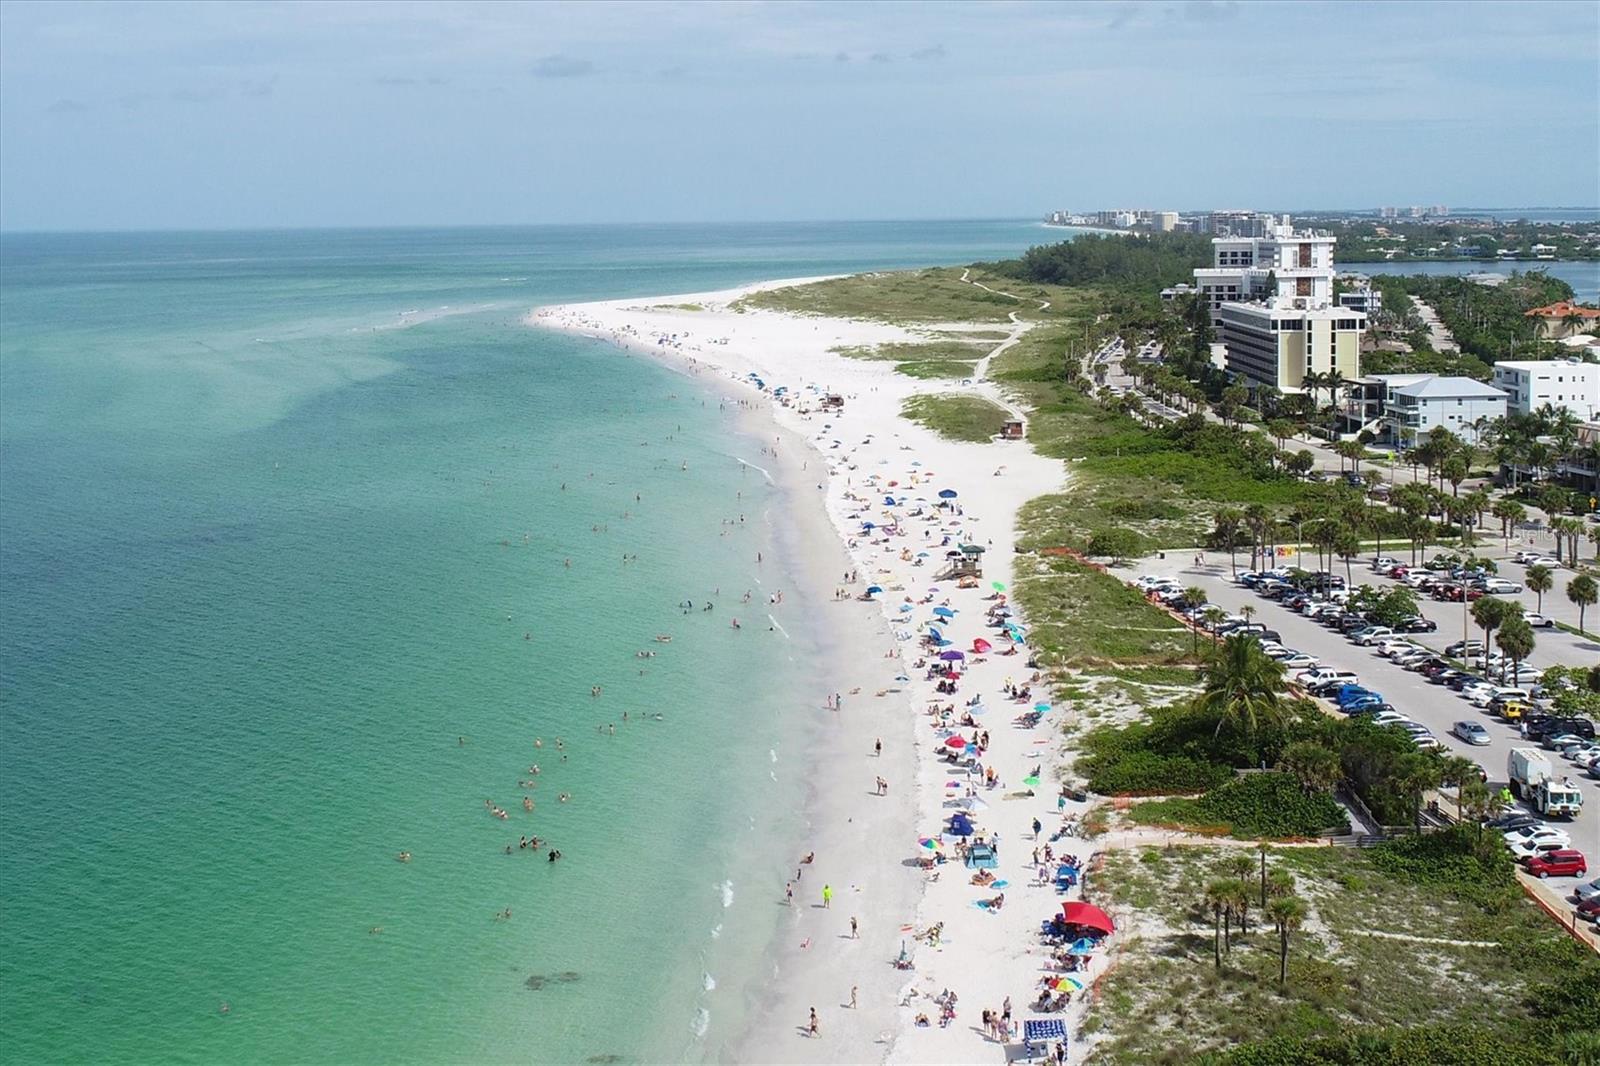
982 856
1041 1031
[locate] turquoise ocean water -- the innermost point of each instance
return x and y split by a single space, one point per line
269 547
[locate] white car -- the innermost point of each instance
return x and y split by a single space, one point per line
1499 586
1389 718
1326 673
1528 834
1539 621
1471 732
1390 648
1300 661
1377 633
1581 754
1541 560
1529 848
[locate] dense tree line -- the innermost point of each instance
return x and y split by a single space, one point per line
1488 321
1149 261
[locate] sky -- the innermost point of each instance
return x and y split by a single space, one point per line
131 115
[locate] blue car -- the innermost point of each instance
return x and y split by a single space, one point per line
1348 694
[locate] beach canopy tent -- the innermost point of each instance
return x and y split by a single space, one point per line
961 825
1087 915
980 645
1041 1031
1084 946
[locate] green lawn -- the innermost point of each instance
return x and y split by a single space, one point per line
901 351
968 418
945 369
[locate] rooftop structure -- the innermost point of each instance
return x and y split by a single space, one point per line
1564 384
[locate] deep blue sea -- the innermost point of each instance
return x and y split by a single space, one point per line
309 551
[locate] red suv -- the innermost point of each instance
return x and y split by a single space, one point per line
1563 863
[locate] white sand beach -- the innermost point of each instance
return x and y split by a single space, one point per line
841 466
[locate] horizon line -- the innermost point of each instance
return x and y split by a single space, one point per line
9 232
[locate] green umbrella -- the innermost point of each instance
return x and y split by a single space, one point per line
998 586
1032 781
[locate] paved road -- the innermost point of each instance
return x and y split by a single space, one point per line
1435 706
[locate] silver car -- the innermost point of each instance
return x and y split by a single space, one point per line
1471 732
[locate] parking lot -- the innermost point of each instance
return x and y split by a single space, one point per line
1435 706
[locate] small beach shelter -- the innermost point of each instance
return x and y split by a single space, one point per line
958 742
1087 915
1041 1031
961 825
952 655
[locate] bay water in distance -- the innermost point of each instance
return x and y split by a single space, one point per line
305 540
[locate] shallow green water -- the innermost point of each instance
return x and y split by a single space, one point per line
268 551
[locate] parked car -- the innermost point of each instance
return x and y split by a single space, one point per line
1471 732
1300 661
1464 648
1417 624
1537 831
1589 910
1530 848
1564 862
1499 586
1512 820
1371 635
1557 741
1539 621
1587 890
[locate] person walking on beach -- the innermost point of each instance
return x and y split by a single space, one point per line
827 896
853 933
812 1027
877 747
853 990
788 893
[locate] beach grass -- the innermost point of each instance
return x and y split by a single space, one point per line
1081 616
917 351
956 417
910 297
1166 1001
944 369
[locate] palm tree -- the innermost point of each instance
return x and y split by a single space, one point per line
1241 902
1516 641
1286 912
1511 513
1263 847
1194 596
1457 771
1582 591
1455 469
1228 522
1314 766
1240 866
1539 580
1242 686
1594 538
1213 616
1216 897
1490 613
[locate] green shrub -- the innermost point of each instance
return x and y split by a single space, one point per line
1461 860
1268 805
1147 773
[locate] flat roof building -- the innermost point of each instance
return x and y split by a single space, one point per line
1565 384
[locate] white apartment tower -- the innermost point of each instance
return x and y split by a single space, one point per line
1272 303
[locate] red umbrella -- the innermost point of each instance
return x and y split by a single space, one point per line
957 741
981 645
1087 914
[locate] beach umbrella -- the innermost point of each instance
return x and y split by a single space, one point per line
952 655
930 844
958 742
933 631
874 589
998 586
1083 946
944 612
961 826
947 494
1041 707
1032 780
1068 984
1087 914
906 607
980 645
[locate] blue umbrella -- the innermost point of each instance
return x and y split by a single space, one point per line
944 612
904 607
933 631
873 589
1084 946
947 494
961 825
889 500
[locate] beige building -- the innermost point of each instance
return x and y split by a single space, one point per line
1277 343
